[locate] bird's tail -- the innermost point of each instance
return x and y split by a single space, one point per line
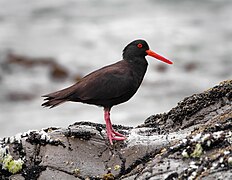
53 99
52 102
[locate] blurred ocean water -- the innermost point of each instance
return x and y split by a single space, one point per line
86 35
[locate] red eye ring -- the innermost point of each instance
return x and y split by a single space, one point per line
139 45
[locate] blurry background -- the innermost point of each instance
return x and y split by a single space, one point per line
48 45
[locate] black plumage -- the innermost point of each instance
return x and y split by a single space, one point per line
110 85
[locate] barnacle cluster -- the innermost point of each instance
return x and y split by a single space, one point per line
206 152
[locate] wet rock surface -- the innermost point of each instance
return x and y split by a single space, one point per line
193 140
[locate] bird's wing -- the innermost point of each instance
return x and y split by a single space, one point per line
104 84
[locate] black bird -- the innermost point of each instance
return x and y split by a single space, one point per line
110 85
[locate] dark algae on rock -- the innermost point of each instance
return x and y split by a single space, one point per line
191 141
182 115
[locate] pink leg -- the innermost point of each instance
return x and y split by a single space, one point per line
110 132
114 132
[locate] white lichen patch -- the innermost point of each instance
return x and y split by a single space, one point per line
226 152
208 143
44 136
14 139
18 137
192 176
221 159
214 165
196 137
28 132
184 140
205 137
185 154
218 134
3 152
230 161
229 137
137 136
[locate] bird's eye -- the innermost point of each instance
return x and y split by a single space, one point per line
139 45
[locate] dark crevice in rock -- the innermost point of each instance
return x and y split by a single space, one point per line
85 135
18 149
143 160
4 174
33 172
172 176
66 172
123 164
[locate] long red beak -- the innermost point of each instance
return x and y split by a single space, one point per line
157 56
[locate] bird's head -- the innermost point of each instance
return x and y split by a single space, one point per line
140 48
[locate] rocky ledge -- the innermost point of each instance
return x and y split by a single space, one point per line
192 141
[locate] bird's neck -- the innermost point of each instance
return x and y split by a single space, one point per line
139 66
137 61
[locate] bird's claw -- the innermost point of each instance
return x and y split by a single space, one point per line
118 137
117 133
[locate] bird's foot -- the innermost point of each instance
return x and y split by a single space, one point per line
117 133
115 136
111 138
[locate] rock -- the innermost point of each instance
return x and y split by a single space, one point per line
161 68
19 96
192 141
28 61
57 71
191 66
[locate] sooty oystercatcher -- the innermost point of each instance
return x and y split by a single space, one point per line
110 85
